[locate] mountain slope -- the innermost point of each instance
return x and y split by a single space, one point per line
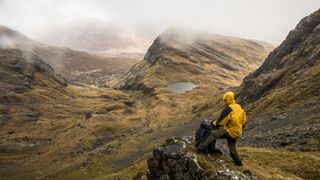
67 62
45 123
283 95
18 75
282 101
199 57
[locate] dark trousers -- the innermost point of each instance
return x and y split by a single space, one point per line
221 133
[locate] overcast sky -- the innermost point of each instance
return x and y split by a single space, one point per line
268 20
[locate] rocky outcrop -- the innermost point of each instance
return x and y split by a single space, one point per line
296 54
282 96
172 161
176 159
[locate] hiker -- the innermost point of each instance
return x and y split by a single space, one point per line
229 126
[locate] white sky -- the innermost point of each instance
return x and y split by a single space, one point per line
268 20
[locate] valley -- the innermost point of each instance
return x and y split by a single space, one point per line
70 114
74 65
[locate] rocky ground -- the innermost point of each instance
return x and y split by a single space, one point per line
283 94
177 159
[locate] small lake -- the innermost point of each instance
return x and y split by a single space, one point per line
181 87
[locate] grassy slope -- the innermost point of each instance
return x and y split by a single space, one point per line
199 57
62 138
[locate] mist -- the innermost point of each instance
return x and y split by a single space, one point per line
267 20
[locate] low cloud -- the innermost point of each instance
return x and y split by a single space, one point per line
268 20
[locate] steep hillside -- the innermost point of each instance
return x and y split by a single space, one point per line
199 57
18 75
283 95
67 62
92 35
47 127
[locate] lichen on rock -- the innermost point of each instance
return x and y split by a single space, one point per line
175 159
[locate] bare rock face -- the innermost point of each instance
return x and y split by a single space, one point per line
173 162
297 54
282 96
176 160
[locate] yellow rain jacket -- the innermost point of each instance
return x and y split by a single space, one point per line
233 117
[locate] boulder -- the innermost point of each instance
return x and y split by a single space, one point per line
176 159
173 161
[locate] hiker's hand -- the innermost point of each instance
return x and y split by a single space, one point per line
244 125
214 123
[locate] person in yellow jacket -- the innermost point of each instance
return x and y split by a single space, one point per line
228 126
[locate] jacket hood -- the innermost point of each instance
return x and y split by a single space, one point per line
228 98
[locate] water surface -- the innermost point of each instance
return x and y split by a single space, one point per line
181 87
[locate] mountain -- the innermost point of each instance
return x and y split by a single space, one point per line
45 122
51 129
281 97
18 75
69 63
199 57
92 35
283 94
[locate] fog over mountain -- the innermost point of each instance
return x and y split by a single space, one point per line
133 89
262 20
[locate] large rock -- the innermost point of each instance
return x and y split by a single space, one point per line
176 159
172 161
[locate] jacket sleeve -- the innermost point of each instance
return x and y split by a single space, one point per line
244 120
224 116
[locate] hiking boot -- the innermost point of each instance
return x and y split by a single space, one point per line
215 151
238 163
199 150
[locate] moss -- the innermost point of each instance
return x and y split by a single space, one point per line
205 165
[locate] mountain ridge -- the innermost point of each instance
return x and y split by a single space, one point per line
283 93
67 62
194 56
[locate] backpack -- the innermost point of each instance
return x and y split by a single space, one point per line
203 131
